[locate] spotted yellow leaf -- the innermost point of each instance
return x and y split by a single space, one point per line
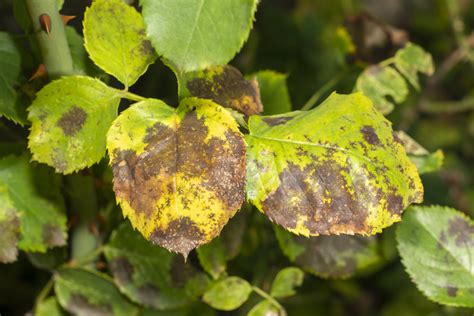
179 174
337 169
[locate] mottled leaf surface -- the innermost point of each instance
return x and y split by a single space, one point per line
178 173
70 118
198 34
413 59
226 86
378 83
28 217
83 292
330 256
11 105
424 161
116 41
437 248
228 294
286 281
151 275
273 92
334 170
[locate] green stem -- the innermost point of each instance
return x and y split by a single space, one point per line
269 298
44 293
88 258
387 62
129 95
54 46
319 93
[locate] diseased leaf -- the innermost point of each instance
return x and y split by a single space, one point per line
49 307
330 256
228 294
28 217
11 105
334 170
378 83
413 59
83 292
265 308
424 161
116 41
436 245
273 92
178 173
285 282
226 86
70 118
151 275
195 35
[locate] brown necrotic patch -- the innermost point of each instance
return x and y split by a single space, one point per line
462 231
368 132
228 88
122 270
72 121
53 236
79 305
273 121
452 291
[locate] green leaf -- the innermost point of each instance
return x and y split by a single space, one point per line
116 41
424 161
83 292
224 85
11 105
81 61
273 92
413 59
29 215
379 83
285 282
336 169
228 294
151 275
436 245
179 174
70 118
195 35
264 308
49 307
330 256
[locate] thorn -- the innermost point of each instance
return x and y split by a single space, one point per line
67 18
40 72
45 22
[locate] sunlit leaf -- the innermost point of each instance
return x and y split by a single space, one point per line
178 173
412 59
437 248
334 170
116 41
285 282
228 294
195 35
70 118
29 217
226 86
83 292
151 275
330 256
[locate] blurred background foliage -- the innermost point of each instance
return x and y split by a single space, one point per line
322 46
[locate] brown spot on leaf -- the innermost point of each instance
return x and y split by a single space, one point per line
72 121
53 236
369 135
122 270
395 203
452 291
149 295
462 231
273 121
146 49
181 272
228 88
9 231
79 305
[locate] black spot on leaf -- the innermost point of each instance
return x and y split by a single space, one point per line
462 231
72 121
369 135
452 291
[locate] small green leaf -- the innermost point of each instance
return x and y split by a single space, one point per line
436 244
49 307
11 105
29 216
151 275
424 161
330 256
378 83
81 61
336 169
224 85
179 174
285 282
264 308
116 41
83 292
413 59
273 92
228 294
70 118
197 34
